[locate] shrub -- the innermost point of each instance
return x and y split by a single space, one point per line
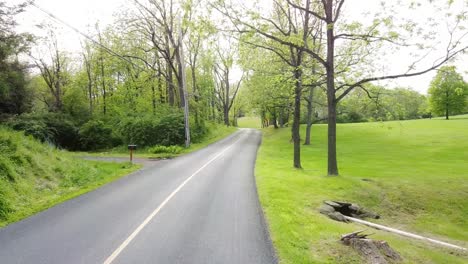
36 128
165 149
95 135
57 129
198 132
138 130
149 131
65 132
171 130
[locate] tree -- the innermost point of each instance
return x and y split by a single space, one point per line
352 49
164 24
15 98
448 92
225 91
287 34
54 70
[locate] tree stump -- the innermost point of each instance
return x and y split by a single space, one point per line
373 251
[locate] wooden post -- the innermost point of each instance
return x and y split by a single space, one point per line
131 148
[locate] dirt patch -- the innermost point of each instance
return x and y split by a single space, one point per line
337 210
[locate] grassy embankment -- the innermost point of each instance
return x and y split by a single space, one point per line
35 176
416 177
215 133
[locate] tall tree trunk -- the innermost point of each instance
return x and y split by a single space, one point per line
447 105
104 91
58 83
180 81
90 90
331 96
309 115
153 96
274 118
226 99
58 97
90 82
297 117
195 92
281 117
162 99
226 115
262 117
170 86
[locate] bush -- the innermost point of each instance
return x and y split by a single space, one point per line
57 129
96 135
165 149
198 132
149 131
36 128
171 130
351 117
65 132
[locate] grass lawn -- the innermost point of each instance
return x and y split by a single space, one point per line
249 121
416 178
216 132
35 176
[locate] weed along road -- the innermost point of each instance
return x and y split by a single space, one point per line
198 208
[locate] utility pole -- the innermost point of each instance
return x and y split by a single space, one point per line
184 86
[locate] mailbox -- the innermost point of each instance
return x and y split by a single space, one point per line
132 147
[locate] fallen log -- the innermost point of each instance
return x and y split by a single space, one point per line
403 233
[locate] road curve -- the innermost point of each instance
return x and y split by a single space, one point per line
198 208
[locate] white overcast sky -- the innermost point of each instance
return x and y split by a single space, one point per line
83 14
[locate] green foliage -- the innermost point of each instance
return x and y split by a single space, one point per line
385 105
5 205
198 131
55 128
15 98
148 130
34 176
96 135
165 149
33 127
75 103
448 92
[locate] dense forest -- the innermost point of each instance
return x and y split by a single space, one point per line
168 66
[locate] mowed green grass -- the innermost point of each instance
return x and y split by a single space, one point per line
249 121
416 177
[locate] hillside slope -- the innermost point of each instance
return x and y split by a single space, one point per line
35 176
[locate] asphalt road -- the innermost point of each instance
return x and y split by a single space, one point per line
198 208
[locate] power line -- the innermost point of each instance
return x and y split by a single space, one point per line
85 35
186 110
